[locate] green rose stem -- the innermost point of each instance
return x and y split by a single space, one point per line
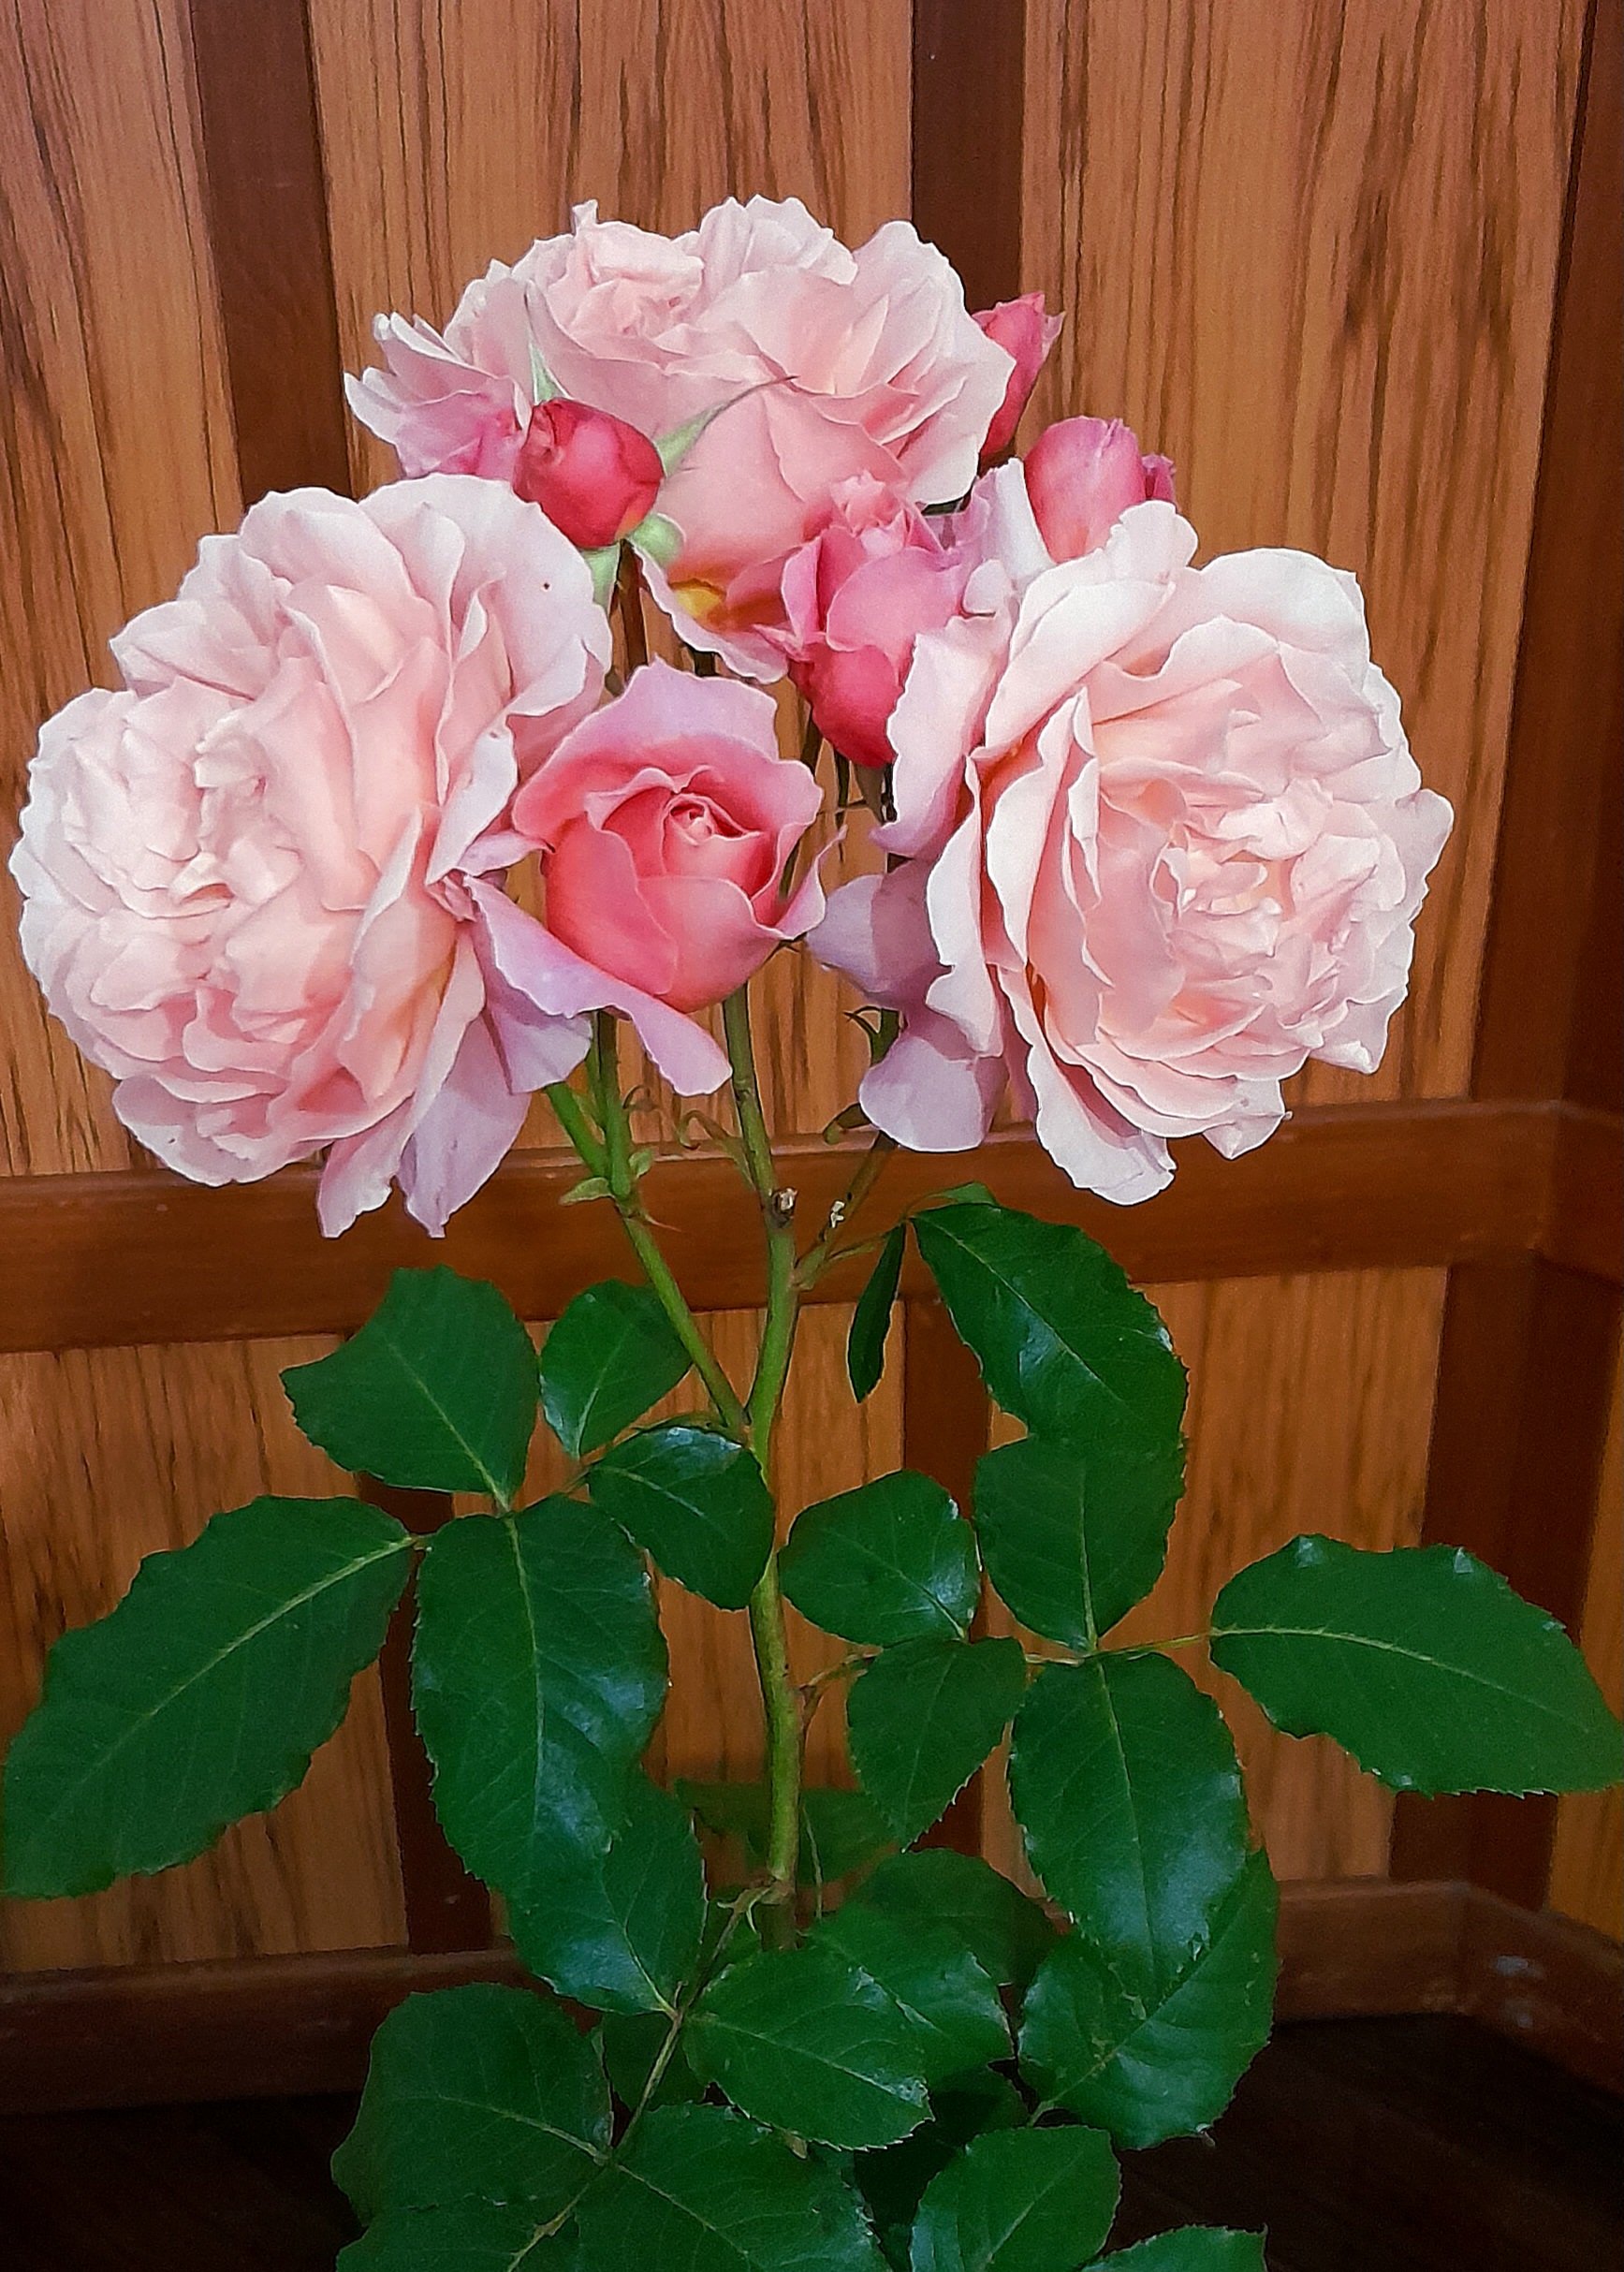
613 1160
752 1422
781 1704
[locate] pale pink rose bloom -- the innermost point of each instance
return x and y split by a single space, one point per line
822 362
855 598
1026 330
1167 841
246 873
1082 474
662 825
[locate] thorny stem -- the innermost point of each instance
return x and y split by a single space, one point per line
780 1703
571 1118
818 1256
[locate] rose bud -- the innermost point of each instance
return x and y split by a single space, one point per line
592 475
1021 329
857 597
1082 476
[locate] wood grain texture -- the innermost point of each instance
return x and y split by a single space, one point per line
274 2027
105 1457
94 1260
1310 253
116 432
1588 1857
267 215
1310 1406
454 137
1525 1369
1547 1027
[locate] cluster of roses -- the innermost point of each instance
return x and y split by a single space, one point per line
1153 832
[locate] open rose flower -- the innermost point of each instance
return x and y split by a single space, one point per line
856 596
1166 842
662 825
246 874
819 362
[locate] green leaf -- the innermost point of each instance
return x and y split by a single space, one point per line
1420 1662
1193 2248
1072 1539
892 2180
436 1392
1019 2201
201 1697
695 1500
480 2090
927 1975
612 1354
466 2236
632 2042
1149 2064
840 1830
1063 1340
871 1316
699 2189
617 1926
801 2040
1008 1935
537 1674
1126 1785
923 1716
889 1562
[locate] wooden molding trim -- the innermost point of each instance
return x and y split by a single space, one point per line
281 2026
110 1260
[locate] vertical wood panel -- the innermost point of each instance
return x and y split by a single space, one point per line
1310 251
108 1455
1588 1858
1310 1405
1525 1369
454 136
116 435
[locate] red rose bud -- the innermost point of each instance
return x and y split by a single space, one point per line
592 475
1021 329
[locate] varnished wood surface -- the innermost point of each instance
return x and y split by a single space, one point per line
1310 253
111 1455
95 1260
139 2035
1316 254
1588 1857
1363 2146
1310 1403
117 433
1560 860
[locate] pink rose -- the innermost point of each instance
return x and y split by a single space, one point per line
662 825
857 597
820 363
246 874
1024 330
1167 841
592 475
1082 474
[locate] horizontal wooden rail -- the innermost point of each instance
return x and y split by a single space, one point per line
275 2025
107 1260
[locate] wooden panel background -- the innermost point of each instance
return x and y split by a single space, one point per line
1316 253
